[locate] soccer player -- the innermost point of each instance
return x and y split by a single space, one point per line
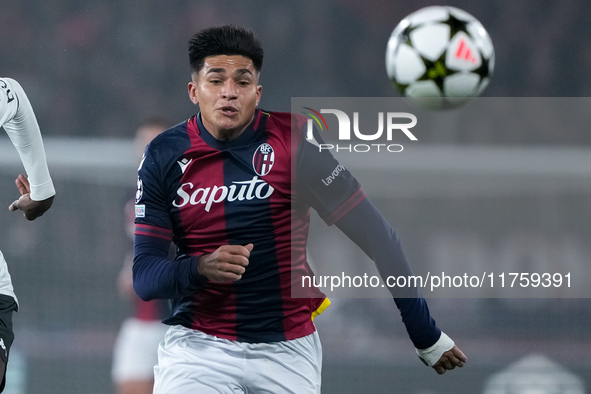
220 186
136 349
37 192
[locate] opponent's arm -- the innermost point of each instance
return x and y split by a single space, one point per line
365 226
21 125
31 209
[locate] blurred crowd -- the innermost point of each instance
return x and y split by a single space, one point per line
99 68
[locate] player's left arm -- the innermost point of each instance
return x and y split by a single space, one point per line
37 192
343 202
366 226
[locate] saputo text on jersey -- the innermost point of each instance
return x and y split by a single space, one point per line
239 190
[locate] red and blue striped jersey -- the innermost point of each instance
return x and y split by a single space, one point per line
202 193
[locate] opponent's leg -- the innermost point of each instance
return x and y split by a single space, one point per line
8 305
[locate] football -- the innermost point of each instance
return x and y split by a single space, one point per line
440 57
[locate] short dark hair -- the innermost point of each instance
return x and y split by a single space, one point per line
224 40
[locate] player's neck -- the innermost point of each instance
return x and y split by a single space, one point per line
223 134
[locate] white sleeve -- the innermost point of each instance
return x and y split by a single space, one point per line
18 119
432 354
8 102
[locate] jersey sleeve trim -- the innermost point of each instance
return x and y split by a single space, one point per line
325 304
345 207
153 231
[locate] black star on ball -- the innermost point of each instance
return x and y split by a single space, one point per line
456 25
484 70
436 71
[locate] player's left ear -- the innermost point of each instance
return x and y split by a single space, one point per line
259 92
192 90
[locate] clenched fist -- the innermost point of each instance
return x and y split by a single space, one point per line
227 263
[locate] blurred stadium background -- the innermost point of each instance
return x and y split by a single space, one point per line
95 70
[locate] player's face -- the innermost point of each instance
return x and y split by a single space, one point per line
227 91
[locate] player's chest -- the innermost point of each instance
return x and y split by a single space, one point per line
244 177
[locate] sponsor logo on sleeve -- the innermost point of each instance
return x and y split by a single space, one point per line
333 175
140 211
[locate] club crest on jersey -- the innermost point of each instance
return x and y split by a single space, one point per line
263 159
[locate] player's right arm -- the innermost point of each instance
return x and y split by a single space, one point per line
155 275
226 264
19 122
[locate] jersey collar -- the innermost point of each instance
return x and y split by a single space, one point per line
242 139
